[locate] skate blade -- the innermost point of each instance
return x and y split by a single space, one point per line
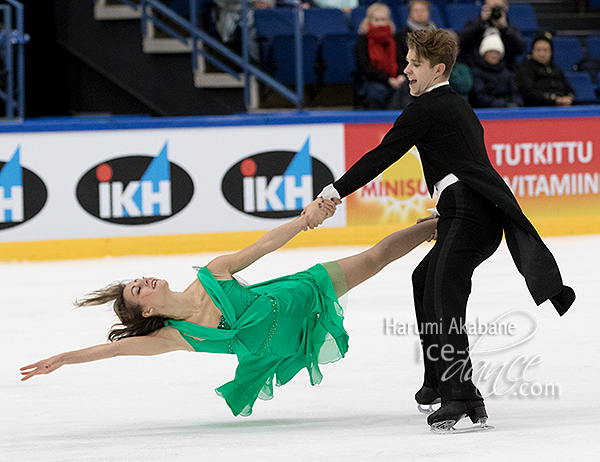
447 427
428 408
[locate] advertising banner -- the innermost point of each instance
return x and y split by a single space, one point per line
75 193
113 183
551 165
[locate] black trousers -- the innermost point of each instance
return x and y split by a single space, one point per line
469 232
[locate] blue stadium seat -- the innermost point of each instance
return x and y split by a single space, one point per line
593 47
523 16
459 13
567 52
583 86
284 60
357 15
338 57
435 13
322 21
272 22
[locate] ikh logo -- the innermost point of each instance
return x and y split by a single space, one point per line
135 190
22 193
275 184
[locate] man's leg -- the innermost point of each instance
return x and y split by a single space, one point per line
469 231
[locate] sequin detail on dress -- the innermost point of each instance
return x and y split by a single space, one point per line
223 324
273 327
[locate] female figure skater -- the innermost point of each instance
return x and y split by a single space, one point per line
276 328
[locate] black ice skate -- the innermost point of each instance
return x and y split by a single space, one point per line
426 398
443 420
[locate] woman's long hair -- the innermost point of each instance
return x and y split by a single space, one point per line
132 324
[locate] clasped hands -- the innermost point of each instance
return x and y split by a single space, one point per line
315 213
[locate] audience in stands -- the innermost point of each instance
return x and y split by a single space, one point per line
541 82
494 85
484 73
226 16
380 62
492 18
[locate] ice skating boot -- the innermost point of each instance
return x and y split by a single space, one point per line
426 398
444 420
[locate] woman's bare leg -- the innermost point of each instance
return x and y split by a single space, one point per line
358 268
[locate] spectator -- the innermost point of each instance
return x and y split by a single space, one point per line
227 17
540 81
493 16
380 62
461 78
493 84
419 17
345 5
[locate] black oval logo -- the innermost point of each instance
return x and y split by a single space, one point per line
23 194
275 184
135 190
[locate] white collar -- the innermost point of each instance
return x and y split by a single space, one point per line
437 85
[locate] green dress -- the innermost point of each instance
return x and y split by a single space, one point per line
276 328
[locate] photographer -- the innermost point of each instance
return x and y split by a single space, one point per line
492 17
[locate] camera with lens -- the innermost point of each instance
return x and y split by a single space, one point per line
496 12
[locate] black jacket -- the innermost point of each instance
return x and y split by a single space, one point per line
450 139
472 34
494 85
539 84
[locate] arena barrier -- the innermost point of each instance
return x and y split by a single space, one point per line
92 187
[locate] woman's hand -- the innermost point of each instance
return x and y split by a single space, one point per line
316 212
433 216
45 366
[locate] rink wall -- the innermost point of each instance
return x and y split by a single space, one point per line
83 188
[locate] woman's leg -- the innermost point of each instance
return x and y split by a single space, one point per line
358 268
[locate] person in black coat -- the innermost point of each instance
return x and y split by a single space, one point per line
540 80
493 16
475 206
494 85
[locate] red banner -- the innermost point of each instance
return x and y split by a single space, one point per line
552 166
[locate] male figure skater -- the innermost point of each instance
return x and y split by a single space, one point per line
475 206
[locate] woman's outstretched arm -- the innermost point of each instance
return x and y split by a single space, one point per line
224 266
156 343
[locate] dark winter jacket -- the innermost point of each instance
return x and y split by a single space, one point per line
494 85
540 84
472 34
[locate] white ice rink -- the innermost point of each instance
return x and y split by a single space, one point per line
542 379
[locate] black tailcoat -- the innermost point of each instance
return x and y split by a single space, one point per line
449 138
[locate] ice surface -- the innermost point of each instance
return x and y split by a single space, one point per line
164 408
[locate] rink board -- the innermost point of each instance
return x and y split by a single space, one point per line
84 188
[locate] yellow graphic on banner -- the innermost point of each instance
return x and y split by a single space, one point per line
398 196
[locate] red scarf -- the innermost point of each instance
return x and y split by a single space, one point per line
382 49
